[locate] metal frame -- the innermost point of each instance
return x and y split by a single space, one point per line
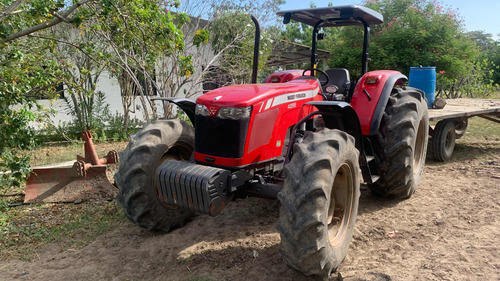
336 16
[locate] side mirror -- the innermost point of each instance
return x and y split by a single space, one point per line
286 18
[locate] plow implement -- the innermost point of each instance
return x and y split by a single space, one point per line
77 181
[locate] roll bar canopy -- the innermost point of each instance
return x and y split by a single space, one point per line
333 16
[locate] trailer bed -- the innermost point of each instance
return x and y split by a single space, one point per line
457 108
453 122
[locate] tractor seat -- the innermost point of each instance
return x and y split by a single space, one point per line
340 78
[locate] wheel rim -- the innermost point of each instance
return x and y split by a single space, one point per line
178 151
339 210
419 147
461 126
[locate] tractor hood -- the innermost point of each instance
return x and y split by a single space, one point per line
250 94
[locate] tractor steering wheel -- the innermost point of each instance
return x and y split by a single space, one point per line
320 71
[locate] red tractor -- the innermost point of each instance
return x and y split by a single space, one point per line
304 142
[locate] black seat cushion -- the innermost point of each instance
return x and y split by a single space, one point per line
340 78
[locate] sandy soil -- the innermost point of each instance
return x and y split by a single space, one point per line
449 230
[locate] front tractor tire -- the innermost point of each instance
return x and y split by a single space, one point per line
138 193
319 202
401 143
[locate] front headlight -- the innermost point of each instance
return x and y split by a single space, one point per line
201 110
234 112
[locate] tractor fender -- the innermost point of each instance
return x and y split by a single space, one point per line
371 95
340 115
187 105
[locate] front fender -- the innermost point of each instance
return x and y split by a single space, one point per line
186 105
340 115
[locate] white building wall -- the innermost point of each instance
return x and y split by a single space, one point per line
110 87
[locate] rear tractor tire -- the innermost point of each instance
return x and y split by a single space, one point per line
400 146
319 202
138 193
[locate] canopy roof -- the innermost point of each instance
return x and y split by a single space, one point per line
334 16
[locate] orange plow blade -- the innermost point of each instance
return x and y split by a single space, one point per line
63 184
73 182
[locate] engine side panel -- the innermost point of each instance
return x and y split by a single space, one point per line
262 129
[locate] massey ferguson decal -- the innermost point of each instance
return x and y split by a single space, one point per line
212 110
286 98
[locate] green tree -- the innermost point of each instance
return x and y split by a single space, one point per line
20 18
233 33
140 37
490 51
494 57
136 33
415 32
27 70
83 62
142 44
25 73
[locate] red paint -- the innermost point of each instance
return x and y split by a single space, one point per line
276 107
263 98
262 129
360 102
285 76
251 94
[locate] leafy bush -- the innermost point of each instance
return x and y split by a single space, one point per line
23 75
478 83
114 128
89 112
415 32
111 130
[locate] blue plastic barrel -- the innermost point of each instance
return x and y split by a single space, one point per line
424 78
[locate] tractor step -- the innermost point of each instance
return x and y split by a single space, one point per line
369 166
199 188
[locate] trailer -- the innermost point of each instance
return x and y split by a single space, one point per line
453 121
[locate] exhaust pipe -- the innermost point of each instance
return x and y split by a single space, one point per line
256 48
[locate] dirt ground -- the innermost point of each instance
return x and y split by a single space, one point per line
449 230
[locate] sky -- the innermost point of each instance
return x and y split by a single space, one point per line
477 14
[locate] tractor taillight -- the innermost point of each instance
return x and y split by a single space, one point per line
371 80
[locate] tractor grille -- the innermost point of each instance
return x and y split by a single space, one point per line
220 137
